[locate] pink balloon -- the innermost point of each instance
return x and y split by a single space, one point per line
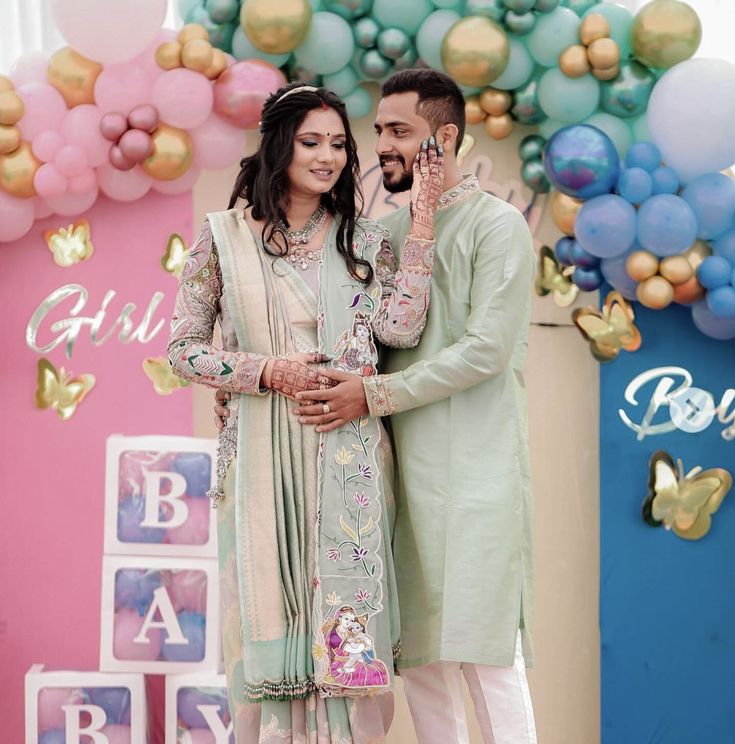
32 67
198 736
217 144
136 145
70 205
126 626
48 181
40 208
147 58
123 185
81 127
119 161
195 531
122 87
183 98
113 126
50 700
16 216
71 161
45 109
179 185
240 91
117 734
84 182
46 145
144 117
188 589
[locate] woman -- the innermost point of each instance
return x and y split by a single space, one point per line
296 278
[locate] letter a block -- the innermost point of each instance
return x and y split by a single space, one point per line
197 709
84 707
156 496
159 615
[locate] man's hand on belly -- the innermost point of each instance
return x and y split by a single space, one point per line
335 407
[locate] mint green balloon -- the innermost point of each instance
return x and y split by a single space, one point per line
430 35
393 43
407 61
519 68
615 128
550 127
520 23
366 32
348 9
493 9
408 15
552 34
374 65
316 6
324 58
569 99
447 3
621 25
358 103
526 109
342 82
640 129
580 7
243 48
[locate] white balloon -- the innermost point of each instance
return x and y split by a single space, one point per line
690 116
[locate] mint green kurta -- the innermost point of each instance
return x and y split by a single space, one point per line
462 542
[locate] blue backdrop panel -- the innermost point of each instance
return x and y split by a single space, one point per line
667 606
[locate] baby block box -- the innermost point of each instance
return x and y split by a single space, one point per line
156 496
197 710
159 615
84 707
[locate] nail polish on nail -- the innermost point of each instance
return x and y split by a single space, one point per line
424 145
432 140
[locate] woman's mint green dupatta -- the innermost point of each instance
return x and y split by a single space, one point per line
315 616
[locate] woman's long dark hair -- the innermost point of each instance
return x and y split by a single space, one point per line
263 179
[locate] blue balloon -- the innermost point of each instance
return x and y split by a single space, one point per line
605 226
643 155
115 701
667 225
712 197
196 467
581 161
714 272
188 698
130 514
616 274
563 250
53 736
635 185
665 180
193 626
721 301
723 329
587 280
581 258
134 588
725 246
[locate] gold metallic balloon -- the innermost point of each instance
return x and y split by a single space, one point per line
475 51
610 74
655 293
17 170
9 139
11 107
168 55
6 83
58 390
197 55
676 269
468 142
665 32
573 61
594 26
689 292
641 265
172 153
192 31
603 54
499 127
276 27
473 112
495 102
218 66
697 253
564 211
73 76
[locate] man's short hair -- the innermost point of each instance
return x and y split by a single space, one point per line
440 98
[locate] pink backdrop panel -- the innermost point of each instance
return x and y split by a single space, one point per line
52 474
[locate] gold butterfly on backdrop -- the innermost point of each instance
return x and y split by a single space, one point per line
609 330
160 374
552 278
58 390
683 503
175 256
70 245
468 142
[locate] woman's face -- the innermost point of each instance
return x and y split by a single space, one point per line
319 154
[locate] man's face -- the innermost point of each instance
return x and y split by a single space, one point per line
400 133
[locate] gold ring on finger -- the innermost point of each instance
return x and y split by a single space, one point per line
325 408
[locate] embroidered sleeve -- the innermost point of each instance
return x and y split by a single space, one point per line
401 318
190 350
378 395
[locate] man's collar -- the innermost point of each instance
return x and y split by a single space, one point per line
468 186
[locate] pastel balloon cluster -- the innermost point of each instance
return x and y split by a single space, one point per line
587 275
531 151
11 112
192 49
130 136
188 699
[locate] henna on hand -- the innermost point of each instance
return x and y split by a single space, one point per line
428 181
290 377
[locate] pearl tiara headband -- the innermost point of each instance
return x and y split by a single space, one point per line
299 89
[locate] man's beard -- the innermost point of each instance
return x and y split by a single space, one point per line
404 182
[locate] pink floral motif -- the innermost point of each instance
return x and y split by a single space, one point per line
361 596
361 499
333 554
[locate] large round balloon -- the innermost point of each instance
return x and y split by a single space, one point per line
276 27
689 109
172 154
667 225
475 51
616 129
605 226
16 216
581 161
323 58
621 23
712 197
552 34
408 15
666 32
568 99
712 325
519 68
430 35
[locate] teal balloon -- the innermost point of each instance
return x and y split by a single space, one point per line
519 6
550 127
348 9
526 108
316 5
408 15
366 32
546 6
488 8
430 35
186 6
531 147
220 34
616 129
374 65
243 48
222 11
393 43
640 129
447 4
534 176
580 7
342 82
407 61
358 103
627 95
552 34
519 68
621 25
520 24
325 58
569 99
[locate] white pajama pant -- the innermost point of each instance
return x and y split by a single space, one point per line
500 696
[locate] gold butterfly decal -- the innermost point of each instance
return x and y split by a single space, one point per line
70 245
683 503
160 374
609 330
551 277
57 389
175 256
468 142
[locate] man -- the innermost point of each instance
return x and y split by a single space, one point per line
457 403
